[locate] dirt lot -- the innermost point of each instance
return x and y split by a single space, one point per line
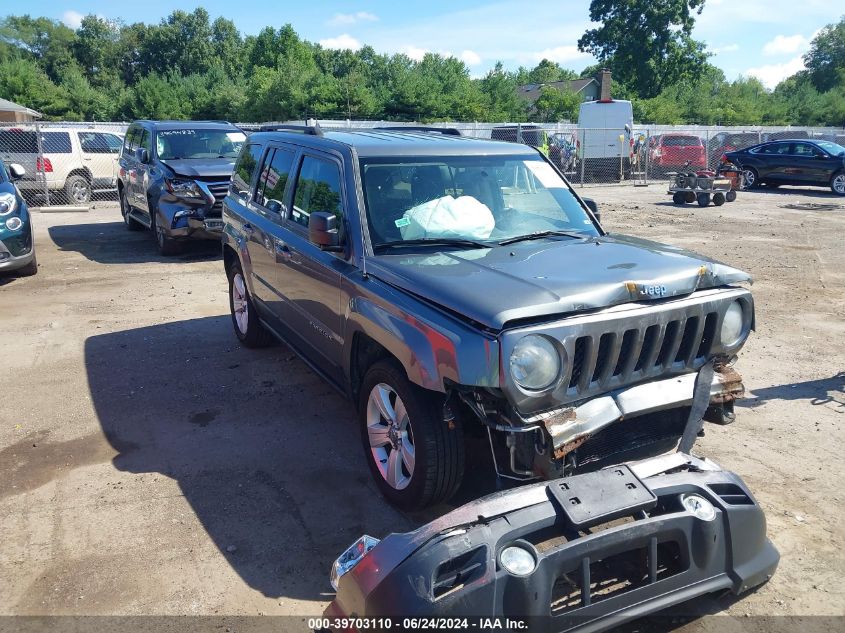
150 465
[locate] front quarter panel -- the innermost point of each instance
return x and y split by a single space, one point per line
432 346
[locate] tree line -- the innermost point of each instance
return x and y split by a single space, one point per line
188 66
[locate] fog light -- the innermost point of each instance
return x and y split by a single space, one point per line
699 507
13 224
351 557
517 561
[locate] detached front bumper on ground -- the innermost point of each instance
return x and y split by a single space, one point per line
593 550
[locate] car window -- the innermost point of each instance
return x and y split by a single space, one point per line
317 189
130 143
245 169
804 149
270 190
832 148
478 198
778 149
98 143
146 141
681 141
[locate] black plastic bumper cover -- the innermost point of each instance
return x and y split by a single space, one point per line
586 579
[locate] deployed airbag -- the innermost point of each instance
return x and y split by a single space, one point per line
447 217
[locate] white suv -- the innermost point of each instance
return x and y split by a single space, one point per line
76 161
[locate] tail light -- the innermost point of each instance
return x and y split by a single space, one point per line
43 164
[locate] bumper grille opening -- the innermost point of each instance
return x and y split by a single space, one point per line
708 336
731 494
578 360
649 342
603 355
628 340
687 340
615 575
454 574
672 329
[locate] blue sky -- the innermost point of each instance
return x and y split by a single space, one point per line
763 38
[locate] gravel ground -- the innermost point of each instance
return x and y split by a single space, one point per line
150 465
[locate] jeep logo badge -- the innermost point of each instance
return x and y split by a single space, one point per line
654 291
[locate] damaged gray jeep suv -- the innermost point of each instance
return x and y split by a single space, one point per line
454 286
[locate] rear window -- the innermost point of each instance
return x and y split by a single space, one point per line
26 142
742 140
681 141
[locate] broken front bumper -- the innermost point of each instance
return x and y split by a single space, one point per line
612 562
569 428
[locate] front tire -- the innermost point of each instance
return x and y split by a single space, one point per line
248 327
30 269
415 456
703 199
837 183
166 245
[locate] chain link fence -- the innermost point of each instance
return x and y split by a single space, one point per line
77 163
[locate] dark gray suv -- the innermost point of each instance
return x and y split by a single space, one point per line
454 286
173 176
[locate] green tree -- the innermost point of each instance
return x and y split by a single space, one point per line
646 43
557 105
825 61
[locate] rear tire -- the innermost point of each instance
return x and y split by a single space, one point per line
125 209
730 196
78 189
248 327
703 199
678 198
396 415
752 178
718 199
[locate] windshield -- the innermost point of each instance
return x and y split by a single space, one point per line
179 144
486 199
831 148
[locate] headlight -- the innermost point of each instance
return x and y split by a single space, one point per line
699 507
517 560
534 363
13 224
8 203
732 325
183 188
351 557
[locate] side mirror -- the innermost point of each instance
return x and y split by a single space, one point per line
142 155
322 230
592 206
16 171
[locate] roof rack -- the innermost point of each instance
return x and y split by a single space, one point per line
448 131
313 130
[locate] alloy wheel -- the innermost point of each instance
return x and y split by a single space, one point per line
80 191
750 178
838 184
240 306
391 437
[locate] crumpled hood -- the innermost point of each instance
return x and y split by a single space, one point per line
551 277
202 167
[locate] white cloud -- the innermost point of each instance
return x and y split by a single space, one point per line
345 19
786 45
341 42
727 48
414 52
560 54
772 74
470 58
72 18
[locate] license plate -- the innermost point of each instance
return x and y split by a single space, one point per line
602 496
214 225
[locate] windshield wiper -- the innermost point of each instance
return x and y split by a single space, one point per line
540 234
431 241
